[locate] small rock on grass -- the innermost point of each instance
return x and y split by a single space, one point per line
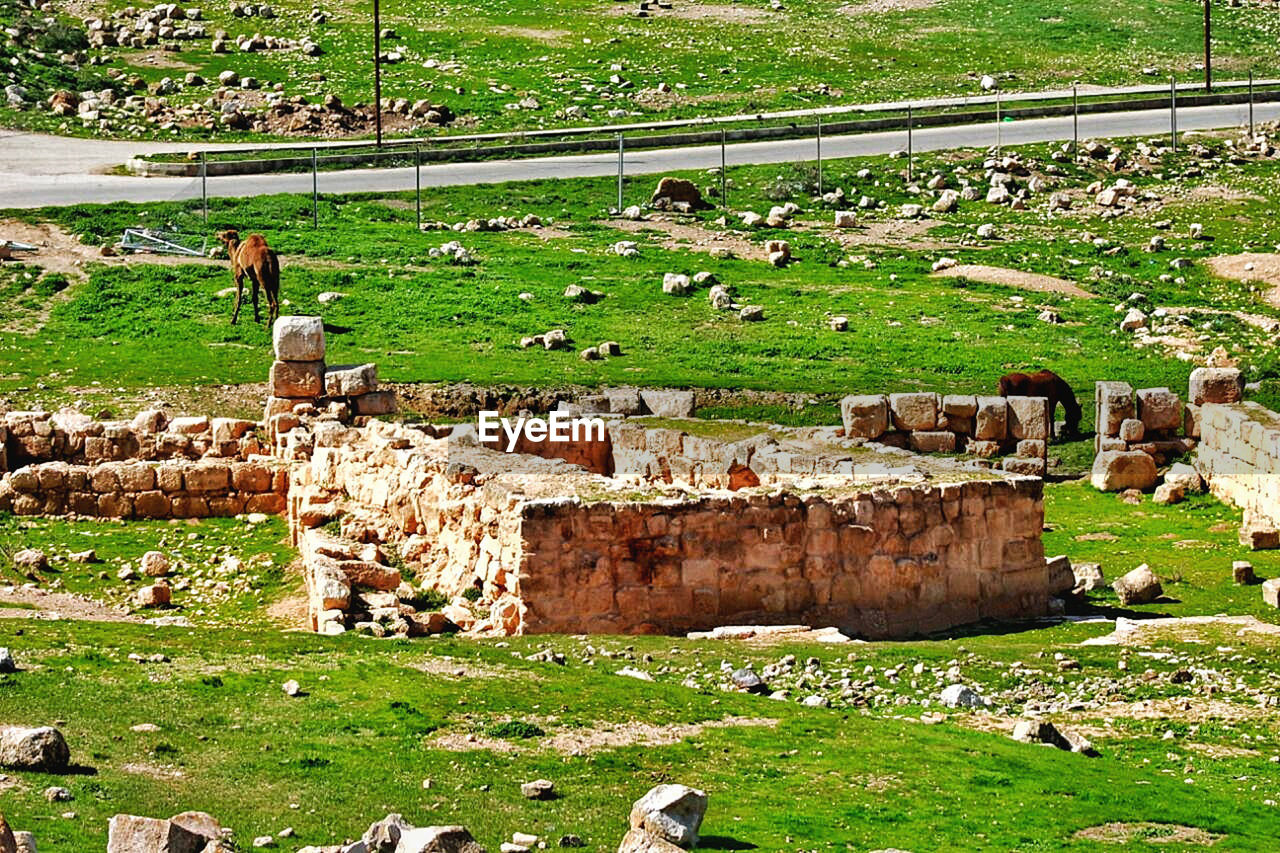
539 789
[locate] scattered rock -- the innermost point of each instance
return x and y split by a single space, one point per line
42 749
539 789
671 813
1139 586
960 696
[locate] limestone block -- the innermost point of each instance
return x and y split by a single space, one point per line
229 429
1116 470
133 834
1139 586
915 411
376 403
1215 385
1114 402
297 379
991 422
1033 447
865 416
960 405
298 338
1029 418
1031 466
350 380
1271 592
1191 420
1159 409
668 403
1132 429
926 441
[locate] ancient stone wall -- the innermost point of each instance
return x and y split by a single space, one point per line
176 488
955 423
549 547
69 436
1239 457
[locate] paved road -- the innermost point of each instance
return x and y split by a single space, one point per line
60 171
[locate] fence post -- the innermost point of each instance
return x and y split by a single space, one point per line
819 155
204 188
1075 124
724 181
315 191
1173 114
997 122
620 172
1251 103
910 148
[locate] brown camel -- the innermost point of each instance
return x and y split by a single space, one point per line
257 260
1045 383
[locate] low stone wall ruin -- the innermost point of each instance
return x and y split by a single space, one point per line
550 547
1239 457
956 423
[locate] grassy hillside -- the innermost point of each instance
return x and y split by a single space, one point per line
709 58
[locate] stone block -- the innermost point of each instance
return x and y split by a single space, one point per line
229 429
1139 586
1271 592
960 405
1132 429
927 441
1242 572
298 338
133 834
865 416
1191 421
296 379
1061 577
1159 409
1117 470
668 403
376 403
1031 466
983 449
914 412
203 477
991 422
1033 447
1029 418
1114 403
1215 385
350 380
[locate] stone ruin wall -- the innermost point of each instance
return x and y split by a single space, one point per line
1240 458
595 556
956 423
150 467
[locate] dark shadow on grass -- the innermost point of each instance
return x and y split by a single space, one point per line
79 770
723 842
335 329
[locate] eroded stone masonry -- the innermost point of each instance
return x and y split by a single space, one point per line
648 530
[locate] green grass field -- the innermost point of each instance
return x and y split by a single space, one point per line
1185 723
715 58
379 717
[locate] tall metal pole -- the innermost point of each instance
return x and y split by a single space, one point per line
1173 114
910 150
204 187
724 181
417 182
1075 124
1251 103
619 208
315 192
819 155
1208 77
377 70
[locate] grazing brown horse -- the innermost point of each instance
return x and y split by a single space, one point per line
1045 383
257 260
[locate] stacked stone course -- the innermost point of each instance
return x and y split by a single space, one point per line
1239 456
301 384
955 423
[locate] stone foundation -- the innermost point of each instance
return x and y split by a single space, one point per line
1239 457
550 547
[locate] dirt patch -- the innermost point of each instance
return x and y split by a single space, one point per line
880 7
579 741
1260 267
1016 278
1149 832
160 59
453 668
1183 629
59 605
715 12
1218 193
682 235
61 252
1270 325
1213 750
1100 536
895 233
152 770
546 36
